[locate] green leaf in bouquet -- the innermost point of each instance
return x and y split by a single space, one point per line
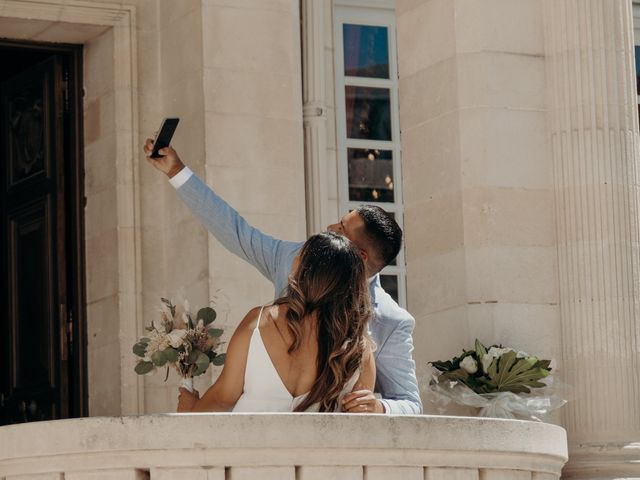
140 349
145 340
443 366
215 332
207 315
543 364
508 375
171 354
218 360
158 358
202 363
143 367
193 356
481 350
459 375
535 384
504 364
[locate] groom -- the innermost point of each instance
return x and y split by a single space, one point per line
371 229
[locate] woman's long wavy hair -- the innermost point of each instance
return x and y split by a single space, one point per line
330 280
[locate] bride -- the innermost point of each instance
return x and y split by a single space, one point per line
305 351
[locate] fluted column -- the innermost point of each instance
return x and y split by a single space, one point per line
594 133
314 113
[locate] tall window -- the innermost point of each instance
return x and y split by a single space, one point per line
368 132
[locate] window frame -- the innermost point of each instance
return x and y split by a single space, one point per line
383 14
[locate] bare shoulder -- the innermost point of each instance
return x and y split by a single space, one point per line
271 315
249 322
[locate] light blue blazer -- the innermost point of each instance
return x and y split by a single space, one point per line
390 328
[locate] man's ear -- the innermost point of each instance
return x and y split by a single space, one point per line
364 255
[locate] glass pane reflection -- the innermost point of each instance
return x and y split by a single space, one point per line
366 51
390 285
370 175
368 113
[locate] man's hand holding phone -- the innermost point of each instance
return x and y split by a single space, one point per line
169 163
159 152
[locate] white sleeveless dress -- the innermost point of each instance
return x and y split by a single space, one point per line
263 388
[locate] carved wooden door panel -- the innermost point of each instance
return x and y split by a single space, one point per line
34 383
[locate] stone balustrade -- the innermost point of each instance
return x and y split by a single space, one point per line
282 446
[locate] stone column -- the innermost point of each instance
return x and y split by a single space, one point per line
593 125
314 113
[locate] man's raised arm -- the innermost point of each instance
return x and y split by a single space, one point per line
271 256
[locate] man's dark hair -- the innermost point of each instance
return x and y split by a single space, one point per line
382 231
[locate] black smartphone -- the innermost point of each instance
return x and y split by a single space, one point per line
163 139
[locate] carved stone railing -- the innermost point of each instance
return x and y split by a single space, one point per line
282 446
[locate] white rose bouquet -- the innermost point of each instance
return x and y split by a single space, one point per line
181 342
500 381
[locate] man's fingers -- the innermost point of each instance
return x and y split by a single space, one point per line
148 146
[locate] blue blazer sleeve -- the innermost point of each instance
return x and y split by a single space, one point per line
396 371
272 257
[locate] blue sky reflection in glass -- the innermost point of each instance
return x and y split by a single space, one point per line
366 51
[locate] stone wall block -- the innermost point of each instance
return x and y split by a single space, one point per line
500 26
506 474
543 476
263 473
36 476
121 474
394 472
435 473
426 36
190 473
330 473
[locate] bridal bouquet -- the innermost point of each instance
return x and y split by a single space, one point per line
500 381
178 340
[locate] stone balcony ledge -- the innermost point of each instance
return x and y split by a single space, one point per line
282 446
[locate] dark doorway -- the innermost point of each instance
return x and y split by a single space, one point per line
42 346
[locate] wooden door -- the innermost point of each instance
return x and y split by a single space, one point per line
35 327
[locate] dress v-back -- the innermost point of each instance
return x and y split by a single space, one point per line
264 390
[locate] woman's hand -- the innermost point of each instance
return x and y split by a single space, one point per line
187 399
362 401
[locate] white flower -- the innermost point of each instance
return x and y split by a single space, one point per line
176 337
159 342
522 354
469 365
498 352
486 361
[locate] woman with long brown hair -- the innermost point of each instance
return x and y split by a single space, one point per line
309 348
